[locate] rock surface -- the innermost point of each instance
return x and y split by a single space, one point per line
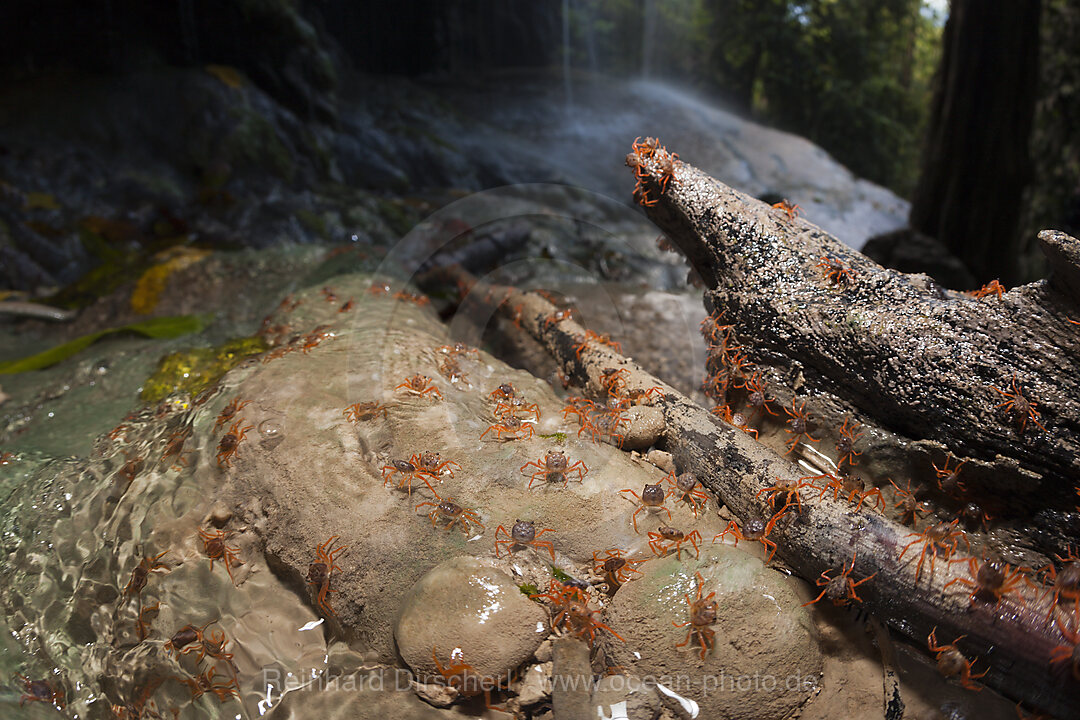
468 609
764 662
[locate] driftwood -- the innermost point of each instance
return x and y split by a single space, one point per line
924 362
1012 639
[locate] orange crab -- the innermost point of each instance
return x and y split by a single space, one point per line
229 411
215 548
651 498
991 580
840 589
410 471
40 691
142 571
615 567
756 396
941 539
230 442
1018 405
991 288
204 682
845 446
754 528
674 539
554 467
1068 653
702 615
684 488
419 384
788 208
523 533
908 504
951 662
322 571
447 509
512 426
788 490
799 423
948 481
835 271
359 412
571 612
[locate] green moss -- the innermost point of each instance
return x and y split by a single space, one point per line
398 216
528 589
557 437
560 575
193 370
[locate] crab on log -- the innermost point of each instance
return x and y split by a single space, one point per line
774 285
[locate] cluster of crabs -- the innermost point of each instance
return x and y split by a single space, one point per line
744 401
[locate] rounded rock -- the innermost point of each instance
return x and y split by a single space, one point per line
465 603
646 427
764 661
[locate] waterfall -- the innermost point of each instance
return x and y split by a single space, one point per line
566 54
648 37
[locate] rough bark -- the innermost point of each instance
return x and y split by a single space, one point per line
925 363
976 164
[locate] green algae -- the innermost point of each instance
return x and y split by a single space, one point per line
191 371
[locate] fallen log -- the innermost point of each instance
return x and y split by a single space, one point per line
1012 637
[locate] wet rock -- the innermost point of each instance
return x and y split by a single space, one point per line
662 460
536 685
466 604
635 699
646 427
764 661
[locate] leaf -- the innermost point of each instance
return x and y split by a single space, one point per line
150 285
227 74
41 201
164 327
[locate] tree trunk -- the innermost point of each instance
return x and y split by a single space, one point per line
976 161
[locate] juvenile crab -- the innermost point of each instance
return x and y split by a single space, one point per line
515 405
1068 653
1065 583
952 663
409 472
702 615
948 481
840 589
359 412
142 571
512 426
557 317
215 548
554 467
229 412
845 446
570 610
799 423
505 391
835 271
40 691
523 533
992 580
674 539
204 682
447 509
1019 406
852 486
433 464
907 504
991 288
615 568
181 640
651 498
941 539
230 442
684 488
418 384
788 208
786 490
753 528
756 396
322 571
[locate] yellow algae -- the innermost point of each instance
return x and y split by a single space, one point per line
148 288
